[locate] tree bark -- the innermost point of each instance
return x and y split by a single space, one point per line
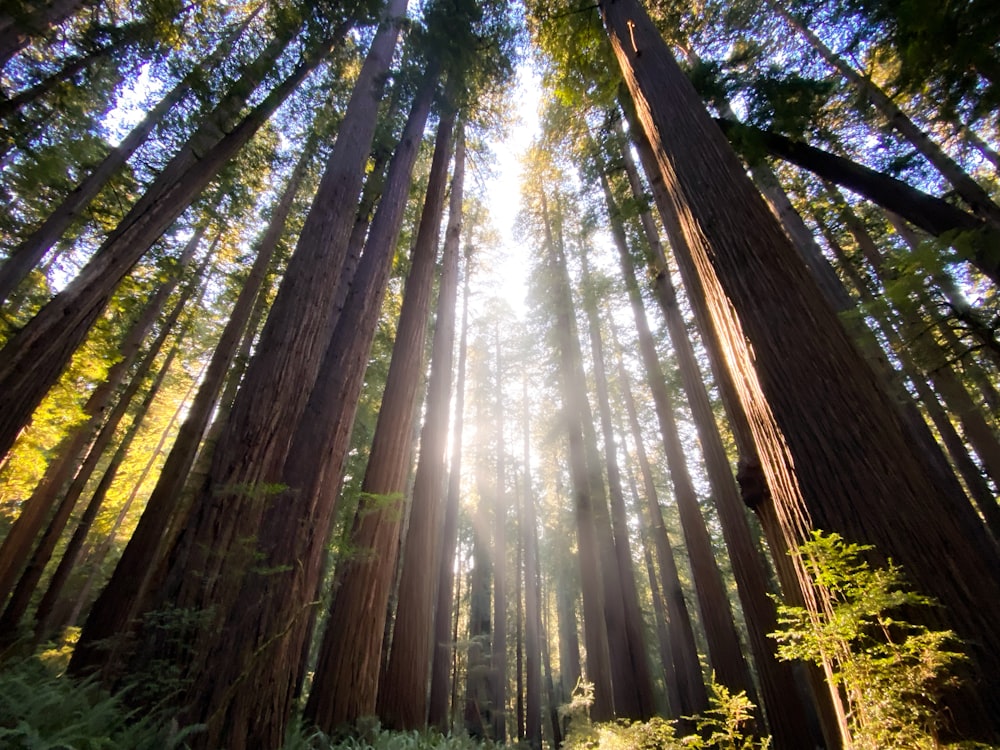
532 595
725 652
402 701
347 679
876 489
116 603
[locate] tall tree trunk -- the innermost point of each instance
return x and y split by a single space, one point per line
115 605
643 704
725 651
967 188
754 490
476 712
402 701
17 545
443 643
272 603
30 252
532 596
742 261
692 696
33 359
787 716
574 409
498 654
347 679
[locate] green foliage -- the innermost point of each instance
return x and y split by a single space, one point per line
40 710
725 725
891 672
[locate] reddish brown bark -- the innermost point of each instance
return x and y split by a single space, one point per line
842 462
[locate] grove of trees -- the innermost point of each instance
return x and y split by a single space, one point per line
280 451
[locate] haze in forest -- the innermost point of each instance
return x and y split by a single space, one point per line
469 373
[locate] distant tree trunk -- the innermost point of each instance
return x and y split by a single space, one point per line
346 681
684 653
115 605
519 626
402 701
743 261
550 691
17 545
30 252
439 714
967 188
476 712
498 654
725 651
33 359
569 641
574 407
532 596
643 705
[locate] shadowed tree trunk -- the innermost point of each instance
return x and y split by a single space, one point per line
692 696
877 490
498 654
115 605
402 701
347 679
643 705
19 24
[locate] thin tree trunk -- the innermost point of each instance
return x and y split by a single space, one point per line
532 597
95 559
30 252
438 713
33 359
402 701
574 409
743 262
692 696
725 651
643 705
71 554
498 654
28 582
